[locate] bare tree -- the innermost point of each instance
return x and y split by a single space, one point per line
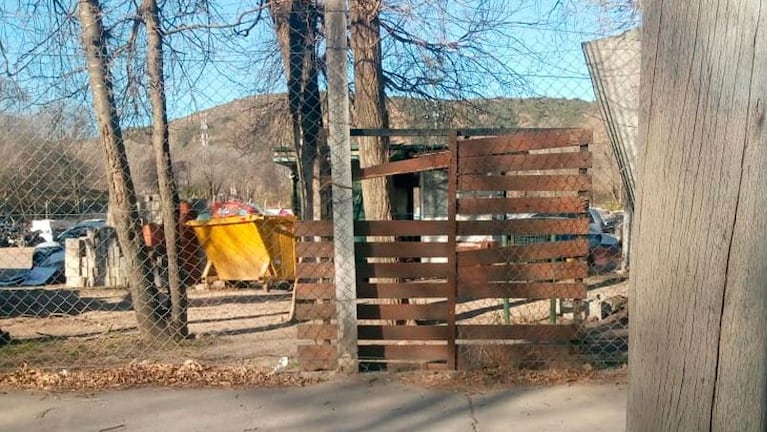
370 103
169 200
698 335
296 27
150 312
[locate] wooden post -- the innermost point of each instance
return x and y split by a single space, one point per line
628 216
452 277
698 304
339 141
578 303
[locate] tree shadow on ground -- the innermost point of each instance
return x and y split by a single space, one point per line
249 330
217 300
42 303
236 318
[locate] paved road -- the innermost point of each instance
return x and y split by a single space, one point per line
344 405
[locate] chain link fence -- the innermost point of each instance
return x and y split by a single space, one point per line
161 160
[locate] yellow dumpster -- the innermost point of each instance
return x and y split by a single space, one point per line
249 248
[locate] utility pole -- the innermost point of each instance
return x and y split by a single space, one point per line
205 157
698 304
340 160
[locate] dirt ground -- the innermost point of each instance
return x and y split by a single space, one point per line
63 327
55 325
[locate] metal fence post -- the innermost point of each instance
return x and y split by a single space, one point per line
343 211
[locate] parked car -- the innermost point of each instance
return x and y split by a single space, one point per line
604 248
612 221
80 229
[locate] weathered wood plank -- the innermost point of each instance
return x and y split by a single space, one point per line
423 132
432 311
401 270
400 228
526 162
402 249
530 332
322 228
323 249
315 291
540 290
307 331
521 253
315 311
541 226
425 162
437 289
528 183
522 205
315 270
404 352
524 272
317 357
524 140
403 332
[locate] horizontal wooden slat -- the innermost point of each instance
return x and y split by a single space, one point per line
402 270
402 290
425 132
402 249
404 352
541 226
324 249
306 331
541 290
400 228
315 291
536 251
315 270
317 357
516 355
314 228
531 332
403 332
543 183
425 162
524 140
526 162
314 311
522 205
524 272
433 311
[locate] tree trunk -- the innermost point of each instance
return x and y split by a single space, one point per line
169 201
295 23
122 198
698 336
370 112
370 104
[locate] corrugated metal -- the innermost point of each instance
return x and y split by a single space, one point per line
614 64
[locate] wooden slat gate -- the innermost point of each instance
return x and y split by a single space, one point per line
421 290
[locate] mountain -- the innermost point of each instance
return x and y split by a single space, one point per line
242 134
52 167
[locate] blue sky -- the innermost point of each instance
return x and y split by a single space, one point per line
539 42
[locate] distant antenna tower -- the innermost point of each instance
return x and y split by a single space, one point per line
204 130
